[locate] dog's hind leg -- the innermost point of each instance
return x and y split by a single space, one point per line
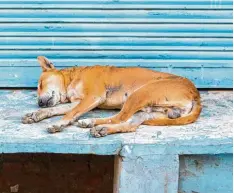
129 126
47 113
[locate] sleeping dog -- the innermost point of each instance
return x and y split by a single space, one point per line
144 97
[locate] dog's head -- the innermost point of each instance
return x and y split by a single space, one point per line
51 88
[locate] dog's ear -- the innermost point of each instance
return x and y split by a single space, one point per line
46 65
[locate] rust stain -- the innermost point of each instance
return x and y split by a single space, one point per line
184 169
199 164
187 173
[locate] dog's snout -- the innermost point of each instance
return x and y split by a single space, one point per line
43 101
40 103
47 100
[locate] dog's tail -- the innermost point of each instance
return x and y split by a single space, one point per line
183 120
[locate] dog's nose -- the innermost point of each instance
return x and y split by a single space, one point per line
40 103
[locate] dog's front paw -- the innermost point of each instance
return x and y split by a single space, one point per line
32 117
85 123
57 127
99 131
28 118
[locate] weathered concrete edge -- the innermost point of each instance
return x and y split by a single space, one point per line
119 148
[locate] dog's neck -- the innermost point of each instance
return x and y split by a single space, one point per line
69 74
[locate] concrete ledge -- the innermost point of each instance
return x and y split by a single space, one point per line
211 134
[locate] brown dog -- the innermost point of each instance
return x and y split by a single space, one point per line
144 97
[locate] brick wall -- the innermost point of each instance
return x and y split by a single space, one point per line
52 173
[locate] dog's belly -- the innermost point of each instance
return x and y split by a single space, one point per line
112 103
107 106
114 100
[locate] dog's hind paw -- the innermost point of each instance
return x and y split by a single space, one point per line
85 123
99 131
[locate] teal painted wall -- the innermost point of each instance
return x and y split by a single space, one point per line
206 173
192 38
